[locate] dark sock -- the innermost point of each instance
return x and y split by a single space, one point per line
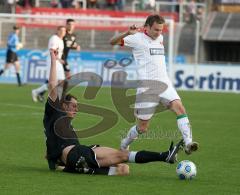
42 93
1 71
18 79
146 156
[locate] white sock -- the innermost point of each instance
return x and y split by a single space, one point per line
112 171
131 157
133 133
185 128
131 136
41 89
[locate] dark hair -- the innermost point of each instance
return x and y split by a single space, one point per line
154 18
67 98
70 20
15 27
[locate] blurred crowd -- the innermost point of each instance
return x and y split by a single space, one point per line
194 12
191 11
99 4
24 3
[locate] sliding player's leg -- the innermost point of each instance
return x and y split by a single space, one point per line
108 156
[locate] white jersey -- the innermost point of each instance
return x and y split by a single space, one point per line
56 43
150 60
149 56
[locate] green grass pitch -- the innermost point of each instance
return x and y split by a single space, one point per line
214 119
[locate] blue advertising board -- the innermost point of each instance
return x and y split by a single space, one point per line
224 78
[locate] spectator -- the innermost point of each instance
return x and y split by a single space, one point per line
112 4
12 5
101 4
54 3
66 3
26 3
92 3
152 4
192 10
200 13
121 4
174 8
77 4
147 4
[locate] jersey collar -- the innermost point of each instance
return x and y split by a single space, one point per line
145 32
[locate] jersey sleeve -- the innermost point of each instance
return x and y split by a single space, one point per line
13 40
53 43
130 41
52 107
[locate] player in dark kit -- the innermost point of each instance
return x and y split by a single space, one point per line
69 43
63 146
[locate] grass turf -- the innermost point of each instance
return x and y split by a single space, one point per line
214 118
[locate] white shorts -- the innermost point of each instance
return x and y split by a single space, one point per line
60 70
145 110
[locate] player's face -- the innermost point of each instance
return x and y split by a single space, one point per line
61 32
155 30
71 108
70 26
17 31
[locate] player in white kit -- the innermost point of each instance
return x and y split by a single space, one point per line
56 43
148 51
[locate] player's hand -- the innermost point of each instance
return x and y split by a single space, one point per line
19 46
61 61
53 53
78 48
133 29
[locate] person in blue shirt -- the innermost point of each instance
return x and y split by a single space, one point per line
13 44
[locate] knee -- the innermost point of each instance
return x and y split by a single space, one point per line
123 155
122 169
142 126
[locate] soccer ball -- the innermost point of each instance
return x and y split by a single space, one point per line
186 170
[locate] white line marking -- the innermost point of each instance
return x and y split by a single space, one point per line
21 106
21 114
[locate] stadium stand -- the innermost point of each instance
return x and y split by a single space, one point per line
220 35
224 27
221 28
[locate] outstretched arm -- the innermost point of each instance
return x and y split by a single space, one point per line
116 40
52 83
76 46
